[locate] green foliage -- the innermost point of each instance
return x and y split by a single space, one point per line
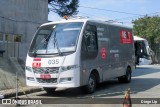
149 28
64 7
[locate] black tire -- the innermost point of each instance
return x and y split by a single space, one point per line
91 86
126 78
49 90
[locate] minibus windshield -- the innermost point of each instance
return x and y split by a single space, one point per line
57 38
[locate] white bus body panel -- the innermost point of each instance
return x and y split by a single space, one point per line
144 61
65 61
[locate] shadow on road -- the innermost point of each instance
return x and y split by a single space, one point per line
108 89
70 93
113 88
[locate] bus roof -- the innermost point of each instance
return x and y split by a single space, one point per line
85 20
136 38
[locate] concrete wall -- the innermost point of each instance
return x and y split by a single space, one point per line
20 17
8 69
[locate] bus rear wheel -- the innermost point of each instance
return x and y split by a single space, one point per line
49 90
91 86
126 78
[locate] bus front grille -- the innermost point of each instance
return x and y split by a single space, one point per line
46 70
51 80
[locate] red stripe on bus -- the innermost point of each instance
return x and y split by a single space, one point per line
37 59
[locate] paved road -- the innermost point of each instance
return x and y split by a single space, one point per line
145 84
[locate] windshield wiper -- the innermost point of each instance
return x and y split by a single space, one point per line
56 43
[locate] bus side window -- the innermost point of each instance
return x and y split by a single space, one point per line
89 42
90 38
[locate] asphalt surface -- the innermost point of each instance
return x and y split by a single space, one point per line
145 92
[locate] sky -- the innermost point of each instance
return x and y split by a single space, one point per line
116 11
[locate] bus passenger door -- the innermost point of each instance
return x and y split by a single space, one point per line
89 52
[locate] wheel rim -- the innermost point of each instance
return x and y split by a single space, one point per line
129 75
91 84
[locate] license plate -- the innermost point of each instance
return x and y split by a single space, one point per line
45 76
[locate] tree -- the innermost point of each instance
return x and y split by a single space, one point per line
64 7
149 28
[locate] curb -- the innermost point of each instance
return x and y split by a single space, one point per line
12 92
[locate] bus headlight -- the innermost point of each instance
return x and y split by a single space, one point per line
65 68
28 68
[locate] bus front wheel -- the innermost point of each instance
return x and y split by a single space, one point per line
91 86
